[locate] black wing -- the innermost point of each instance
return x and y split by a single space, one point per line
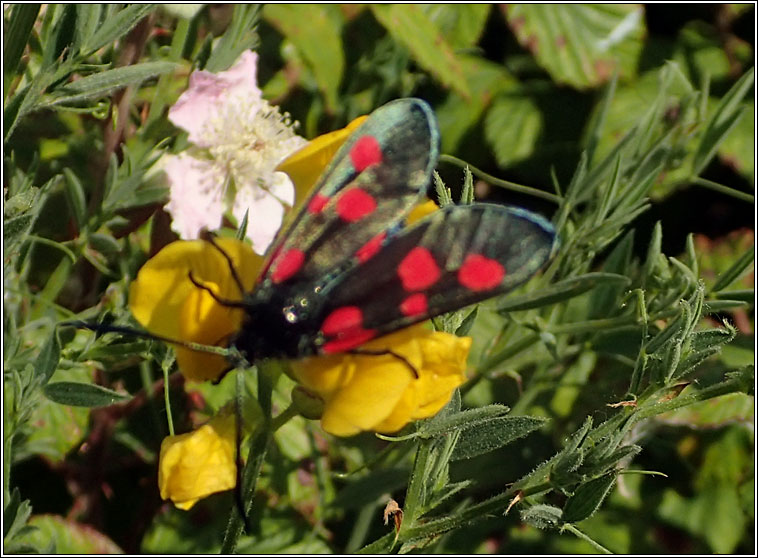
371 184
455 257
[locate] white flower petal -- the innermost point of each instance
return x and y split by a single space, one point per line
196 194
208 96
265 213
283 188
246 138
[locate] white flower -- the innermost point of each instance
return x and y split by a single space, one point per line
239 140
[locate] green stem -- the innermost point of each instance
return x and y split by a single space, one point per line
414 494
175 54
53 244
167 399
733 385
283 418
704 182
507 352
596 545
258 447
500 182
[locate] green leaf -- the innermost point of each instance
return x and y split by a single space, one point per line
735 271
16 512
650 120
564 471
88 18
315 31
713 413
653 258
462 24
563 290
27 100
240 35
82 395
542 516
19 27
70 537
714 513
49 356
596 464
117 25
492 434
512 127
746 296
737 150
467 323
456 115
723 119
102 83
580 44
604 301
412 28
587 498
15 229
463 419
75 196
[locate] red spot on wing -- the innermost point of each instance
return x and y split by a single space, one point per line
368 250
317 203
342 319
287 264
414 305
345 325
349 341
365 152
354 204
270 262
418 270
479 273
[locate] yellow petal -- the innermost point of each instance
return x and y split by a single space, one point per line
306 165
400 415
368 399
167 303
199 463
381 392
421 211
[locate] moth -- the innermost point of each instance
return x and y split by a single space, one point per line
346 270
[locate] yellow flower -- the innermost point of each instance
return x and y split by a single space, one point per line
199 463
421 211
167 303
381 393
306 165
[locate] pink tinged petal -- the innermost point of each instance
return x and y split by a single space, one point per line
265 211
195 195
208 94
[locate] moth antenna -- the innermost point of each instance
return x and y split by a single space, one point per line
380 352
220 300
210 238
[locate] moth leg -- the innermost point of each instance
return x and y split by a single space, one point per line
220 300
381 352
212 240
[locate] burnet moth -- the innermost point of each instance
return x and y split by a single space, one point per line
346 270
